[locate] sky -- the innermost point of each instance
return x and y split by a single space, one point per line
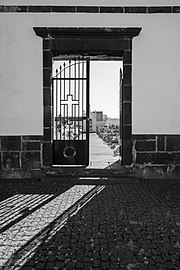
104 87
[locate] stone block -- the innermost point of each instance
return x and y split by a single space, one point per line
159 9
46 44
173 172
47 116
176 9
47 73
31 160
111 9
127 93
127 71
86 44
127 119
127 57
39 9
11 143
47 59
63 9
31 146
144 137
142 158
10 160
47 98
135 9
0 161
161 143
127 152
173 158
145 146
22 9
47 154
152 158
127 131
14 8
173 143
32 138
151 172
87 9
47 134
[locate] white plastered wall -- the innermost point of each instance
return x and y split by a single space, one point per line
156 66
92 2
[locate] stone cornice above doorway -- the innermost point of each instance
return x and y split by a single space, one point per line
87 32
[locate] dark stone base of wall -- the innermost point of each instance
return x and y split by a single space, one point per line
145 172
153 157
20 174
148 172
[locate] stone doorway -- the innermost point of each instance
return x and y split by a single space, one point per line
112 42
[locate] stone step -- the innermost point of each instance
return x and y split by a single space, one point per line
91 180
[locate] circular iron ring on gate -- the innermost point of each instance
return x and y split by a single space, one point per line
69 152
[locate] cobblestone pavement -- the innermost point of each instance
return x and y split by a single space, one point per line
69 226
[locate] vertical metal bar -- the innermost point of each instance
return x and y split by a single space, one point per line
75 95
64 81
121 114
56 104
69 94
87 108
64 99
82 98
69 77
54 124
78 97
75 78
64 122
60 116
73 119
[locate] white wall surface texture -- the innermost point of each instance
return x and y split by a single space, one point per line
92 2
156 66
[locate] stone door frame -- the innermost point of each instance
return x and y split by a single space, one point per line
112 42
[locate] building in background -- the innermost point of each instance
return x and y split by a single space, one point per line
97 118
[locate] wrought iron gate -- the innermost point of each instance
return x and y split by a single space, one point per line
70 87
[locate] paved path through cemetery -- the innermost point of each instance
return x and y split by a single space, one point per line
53 225
101 155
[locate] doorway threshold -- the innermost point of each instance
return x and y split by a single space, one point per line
79 172
76 176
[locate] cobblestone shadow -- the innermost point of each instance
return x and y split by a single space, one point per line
120 227
20 198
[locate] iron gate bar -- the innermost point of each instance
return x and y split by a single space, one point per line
64 105
69 77
60 101
82 99
78 97
56 105
75 79
71 65
87 105
69 95
71 123
53 122
75 96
